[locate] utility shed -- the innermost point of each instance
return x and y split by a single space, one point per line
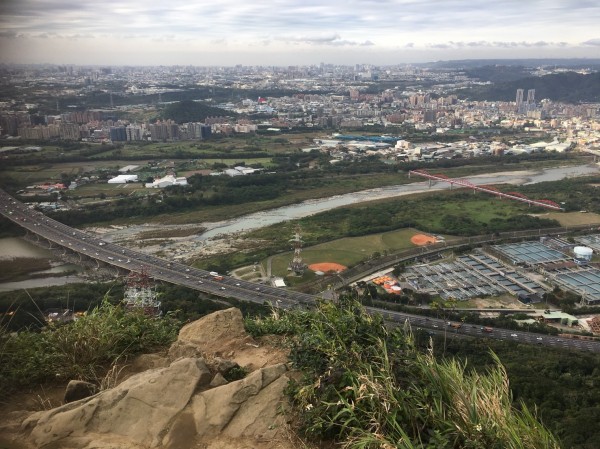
560 317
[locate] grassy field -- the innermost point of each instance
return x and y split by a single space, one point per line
572 218
348 251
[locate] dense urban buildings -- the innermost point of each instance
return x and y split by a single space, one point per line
326 97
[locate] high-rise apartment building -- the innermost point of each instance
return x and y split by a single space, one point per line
519 99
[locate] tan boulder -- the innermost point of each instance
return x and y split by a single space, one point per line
222 334
248 409
186 405
220 326
139 409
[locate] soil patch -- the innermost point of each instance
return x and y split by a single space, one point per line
422 239
327 267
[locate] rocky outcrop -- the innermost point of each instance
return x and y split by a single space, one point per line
187 404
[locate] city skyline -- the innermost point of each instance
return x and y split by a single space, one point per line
290 32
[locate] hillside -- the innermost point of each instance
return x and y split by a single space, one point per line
525 62
569 87
225 385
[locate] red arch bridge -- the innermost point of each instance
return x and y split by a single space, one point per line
516 196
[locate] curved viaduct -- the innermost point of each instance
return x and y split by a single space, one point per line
127 259
91 246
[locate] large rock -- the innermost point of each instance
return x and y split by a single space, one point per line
138 410
187 404
248 409
218 327
169 408
222 335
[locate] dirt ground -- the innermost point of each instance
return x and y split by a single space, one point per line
326 267
422 239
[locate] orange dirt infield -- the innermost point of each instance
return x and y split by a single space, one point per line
326 267
422 239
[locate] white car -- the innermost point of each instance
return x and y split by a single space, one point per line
514 335
539 338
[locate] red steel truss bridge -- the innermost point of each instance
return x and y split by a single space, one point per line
516 196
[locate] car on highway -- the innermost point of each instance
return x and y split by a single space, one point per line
539 338
514 335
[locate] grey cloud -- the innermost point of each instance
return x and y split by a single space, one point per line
9 34
592 42
80 36
313 39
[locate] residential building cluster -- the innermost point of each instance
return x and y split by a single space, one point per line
328 97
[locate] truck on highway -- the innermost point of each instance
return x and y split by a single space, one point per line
487 329
454 325
216 276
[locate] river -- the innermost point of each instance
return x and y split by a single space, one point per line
311 207
13 247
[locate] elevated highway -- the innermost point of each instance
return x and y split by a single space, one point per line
176 273
90 246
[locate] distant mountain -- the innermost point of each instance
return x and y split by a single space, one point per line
192 111
568 87
498 73
472 63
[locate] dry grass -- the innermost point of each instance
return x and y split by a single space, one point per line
572 218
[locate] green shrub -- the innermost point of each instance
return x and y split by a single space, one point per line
83 349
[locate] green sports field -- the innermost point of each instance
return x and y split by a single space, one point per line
348 251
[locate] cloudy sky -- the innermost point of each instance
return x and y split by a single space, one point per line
294 32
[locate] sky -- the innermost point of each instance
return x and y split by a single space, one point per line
294 32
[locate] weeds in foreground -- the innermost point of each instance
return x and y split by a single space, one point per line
367 387
81 349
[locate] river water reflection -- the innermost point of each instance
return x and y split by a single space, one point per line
13 247
266 218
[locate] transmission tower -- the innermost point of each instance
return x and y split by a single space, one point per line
297 266
140 293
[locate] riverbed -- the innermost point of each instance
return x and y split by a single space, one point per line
227 236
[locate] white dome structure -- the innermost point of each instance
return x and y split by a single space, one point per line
583 253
